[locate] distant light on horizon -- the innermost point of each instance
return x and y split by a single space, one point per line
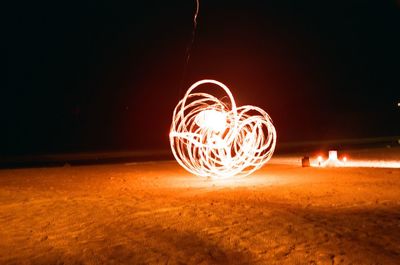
333 161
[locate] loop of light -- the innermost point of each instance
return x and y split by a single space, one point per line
213 138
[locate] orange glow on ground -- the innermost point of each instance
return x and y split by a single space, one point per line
156 212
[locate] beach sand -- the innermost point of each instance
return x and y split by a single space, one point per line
157 213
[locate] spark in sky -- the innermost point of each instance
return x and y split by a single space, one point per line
190 45
196 13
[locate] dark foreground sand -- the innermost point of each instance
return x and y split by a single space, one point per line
156 213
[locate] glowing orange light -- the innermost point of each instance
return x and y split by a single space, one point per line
344 159
212 138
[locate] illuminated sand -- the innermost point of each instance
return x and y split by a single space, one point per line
156 213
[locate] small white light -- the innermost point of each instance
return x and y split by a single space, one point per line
332 160
211 119
333 155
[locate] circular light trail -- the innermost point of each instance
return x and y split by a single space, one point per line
212 137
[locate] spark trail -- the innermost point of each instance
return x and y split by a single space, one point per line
194 30
189 47
212 138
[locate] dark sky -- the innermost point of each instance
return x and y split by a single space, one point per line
106 75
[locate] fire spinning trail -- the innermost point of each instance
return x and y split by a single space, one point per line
213 138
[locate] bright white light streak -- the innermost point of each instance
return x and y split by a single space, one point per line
346 162
372 164
196 13
212 138
189 48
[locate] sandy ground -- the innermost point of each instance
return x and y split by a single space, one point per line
156 213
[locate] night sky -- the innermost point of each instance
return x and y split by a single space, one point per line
106 75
